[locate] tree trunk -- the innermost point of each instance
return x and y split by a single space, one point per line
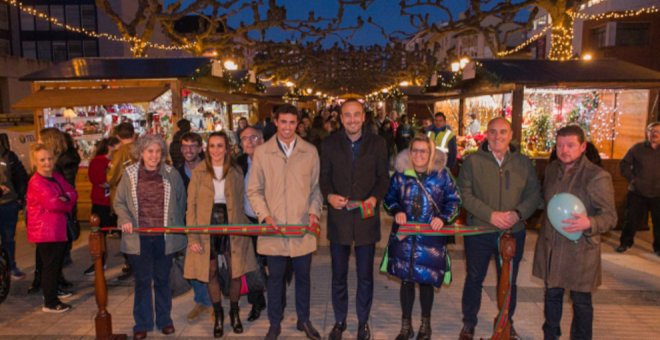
561 36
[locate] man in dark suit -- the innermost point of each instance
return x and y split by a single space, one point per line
354 168
250 138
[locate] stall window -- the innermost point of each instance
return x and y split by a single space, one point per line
44 50
612 119
90 48
27 22
88 17
59 50
75 49
477 112
632 34
57 12
73 15
29 49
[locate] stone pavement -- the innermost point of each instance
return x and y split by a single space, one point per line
627 306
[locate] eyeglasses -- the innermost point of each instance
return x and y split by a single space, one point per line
252 138
420 151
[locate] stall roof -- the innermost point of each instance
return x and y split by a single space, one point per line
83 97
119 68
523 71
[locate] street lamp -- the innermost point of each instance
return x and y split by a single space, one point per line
309 90
587 57
404 83
455 66
463 62
230 65
289 84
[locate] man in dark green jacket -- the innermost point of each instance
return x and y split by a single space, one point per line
499 188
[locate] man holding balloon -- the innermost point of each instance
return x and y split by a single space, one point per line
580 198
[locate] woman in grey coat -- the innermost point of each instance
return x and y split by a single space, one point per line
151 194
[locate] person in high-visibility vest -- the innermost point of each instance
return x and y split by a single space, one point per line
444 138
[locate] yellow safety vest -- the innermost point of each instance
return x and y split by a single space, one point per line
441 140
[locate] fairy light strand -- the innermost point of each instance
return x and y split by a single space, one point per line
136 42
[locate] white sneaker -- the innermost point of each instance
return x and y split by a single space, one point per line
59 308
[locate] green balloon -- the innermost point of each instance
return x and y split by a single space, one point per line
561 207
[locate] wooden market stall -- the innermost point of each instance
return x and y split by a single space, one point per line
611 99
88 97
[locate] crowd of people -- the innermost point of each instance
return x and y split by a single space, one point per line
283 175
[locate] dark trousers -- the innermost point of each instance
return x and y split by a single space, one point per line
364 263
276 268
256 297
637 211
152 266
8 220
479 250
51 254
583 314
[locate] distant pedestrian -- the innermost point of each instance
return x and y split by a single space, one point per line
641 167
13 185
50 199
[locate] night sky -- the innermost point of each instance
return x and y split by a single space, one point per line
386 13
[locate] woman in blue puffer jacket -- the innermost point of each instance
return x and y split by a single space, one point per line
423 191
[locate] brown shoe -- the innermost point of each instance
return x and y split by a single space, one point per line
467 333
196 312
167 330
139 335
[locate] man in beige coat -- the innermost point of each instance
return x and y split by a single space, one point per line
284 189
560 262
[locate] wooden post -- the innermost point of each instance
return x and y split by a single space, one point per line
517 100
507 252
103 319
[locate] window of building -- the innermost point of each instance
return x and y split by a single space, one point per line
632 33
72 15
5 47
44 51
57 12
88 17
75 49
599 37
90 48
42 24
59 50
29 49
27 22
4 17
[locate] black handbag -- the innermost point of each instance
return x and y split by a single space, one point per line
178 284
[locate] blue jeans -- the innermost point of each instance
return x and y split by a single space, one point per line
583 314
151 266
479 250
8 220
201 293
301 269
364 262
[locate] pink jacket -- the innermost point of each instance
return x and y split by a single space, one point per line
46 212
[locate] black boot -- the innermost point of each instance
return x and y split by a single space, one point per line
235 319
424 330
219 324
406 331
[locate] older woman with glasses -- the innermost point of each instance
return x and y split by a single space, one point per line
150 194
421 191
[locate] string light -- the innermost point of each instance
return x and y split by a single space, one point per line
562 37
137 44
525 43
614 15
